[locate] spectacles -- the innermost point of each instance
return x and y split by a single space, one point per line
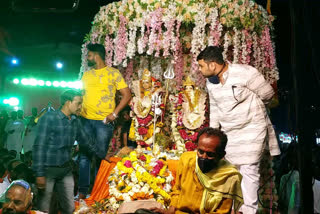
209 154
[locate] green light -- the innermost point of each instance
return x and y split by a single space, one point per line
48 83
70 84
40 82
56 84
13 101
16 81
78 85
25 81
63 84
5 101
33 82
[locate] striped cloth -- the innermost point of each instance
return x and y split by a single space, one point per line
238 107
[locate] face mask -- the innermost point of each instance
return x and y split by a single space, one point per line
215 79
206 165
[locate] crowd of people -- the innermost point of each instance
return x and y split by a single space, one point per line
48 162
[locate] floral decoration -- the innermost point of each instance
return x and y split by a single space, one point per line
139 176
131 29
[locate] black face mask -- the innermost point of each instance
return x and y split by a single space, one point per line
206 165
215 79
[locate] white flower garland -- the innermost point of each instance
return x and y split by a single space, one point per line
199 31
226 46
213 20
131 48
236 45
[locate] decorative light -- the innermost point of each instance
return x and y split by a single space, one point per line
33 82
14 61
59 65
40 82
25 81
16 81
37 82
48 83
56 84
13 101
63 84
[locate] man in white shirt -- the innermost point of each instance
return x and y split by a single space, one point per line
238 95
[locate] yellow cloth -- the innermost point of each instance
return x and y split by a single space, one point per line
222 182
187 191
100 88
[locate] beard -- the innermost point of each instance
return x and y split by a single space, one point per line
91 63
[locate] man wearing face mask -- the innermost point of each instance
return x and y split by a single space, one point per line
205 183
17 199
238 95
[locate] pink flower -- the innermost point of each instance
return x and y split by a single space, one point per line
128 164
156 169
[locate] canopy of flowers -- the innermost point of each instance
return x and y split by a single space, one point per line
139 176
167 29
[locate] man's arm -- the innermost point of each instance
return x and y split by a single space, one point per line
213 115
126 97
39 149
258 85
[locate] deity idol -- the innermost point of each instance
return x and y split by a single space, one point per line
143 105
188 115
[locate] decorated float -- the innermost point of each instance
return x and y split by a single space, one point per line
154 43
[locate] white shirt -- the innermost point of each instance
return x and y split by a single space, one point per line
316 196
238 106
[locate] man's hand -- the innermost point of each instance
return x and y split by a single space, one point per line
109 118
41 182
171 210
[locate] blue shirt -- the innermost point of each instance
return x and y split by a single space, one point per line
55 138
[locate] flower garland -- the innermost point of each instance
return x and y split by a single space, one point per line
120 42
210 19
236 45
140 176
108 44
226 46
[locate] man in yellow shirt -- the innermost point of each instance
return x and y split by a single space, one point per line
99 109
204 182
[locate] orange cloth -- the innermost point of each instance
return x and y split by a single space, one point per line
187 185
101 186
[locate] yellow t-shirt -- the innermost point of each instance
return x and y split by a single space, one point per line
100 88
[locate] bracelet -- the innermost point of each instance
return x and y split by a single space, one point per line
114 114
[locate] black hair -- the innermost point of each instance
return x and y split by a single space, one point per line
2 168
211 54
97 48
69 96
209 131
